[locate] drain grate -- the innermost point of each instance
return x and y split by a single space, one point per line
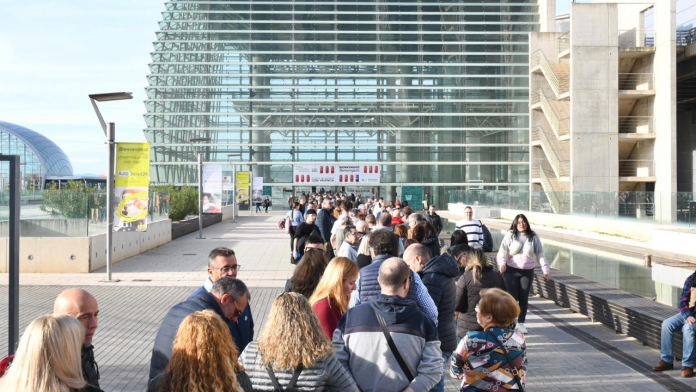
189 254
142 280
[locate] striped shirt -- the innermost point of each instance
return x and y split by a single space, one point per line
473 230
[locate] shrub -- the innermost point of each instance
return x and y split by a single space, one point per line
71 201
183 202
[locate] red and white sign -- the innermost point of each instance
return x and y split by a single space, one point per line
336 174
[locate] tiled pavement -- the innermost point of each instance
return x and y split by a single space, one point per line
566 351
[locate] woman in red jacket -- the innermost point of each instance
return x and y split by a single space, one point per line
332 295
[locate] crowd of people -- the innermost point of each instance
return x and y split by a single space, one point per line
374 304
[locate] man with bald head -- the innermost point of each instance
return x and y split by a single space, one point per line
83 306
361 343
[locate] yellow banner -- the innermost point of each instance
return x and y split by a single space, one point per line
132 186
242 187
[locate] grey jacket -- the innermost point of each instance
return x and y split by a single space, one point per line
326 374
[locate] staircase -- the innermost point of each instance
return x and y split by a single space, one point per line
557 152
557 113
557 75
557 192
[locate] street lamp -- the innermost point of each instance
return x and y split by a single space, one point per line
110 133
199 156
234 182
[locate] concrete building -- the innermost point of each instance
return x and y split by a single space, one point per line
603 124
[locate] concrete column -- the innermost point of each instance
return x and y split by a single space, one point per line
547 15
259 136
594 98
665 110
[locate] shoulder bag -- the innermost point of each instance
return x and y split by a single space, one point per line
507 358
392 346
291 384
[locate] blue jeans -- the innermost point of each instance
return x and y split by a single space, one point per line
440 386
671 325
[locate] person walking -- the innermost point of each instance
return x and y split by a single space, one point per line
332 295
519 253
292 352
472 227
438 275
685 321
479 276
228 298
83 306
495 358
223 262
370 337
434 219
266 203
304 230
48 358
202 335
296 219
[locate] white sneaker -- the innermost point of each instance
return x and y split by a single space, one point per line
521 328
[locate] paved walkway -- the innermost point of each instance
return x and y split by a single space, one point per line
566 351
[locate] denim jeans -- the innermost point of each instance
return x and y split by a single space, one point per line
671 325
440 386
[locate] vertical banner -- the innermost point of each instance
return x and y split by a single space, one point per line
212 189
257 189
132 185
243 188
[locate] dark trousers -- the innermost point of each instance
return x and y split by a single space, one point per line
519 283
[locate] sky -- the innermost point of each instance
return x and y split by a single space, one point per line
52 57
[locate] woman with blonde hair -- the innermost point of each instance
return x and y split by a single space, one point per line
204 358
292 352
332 295
479 275
48 358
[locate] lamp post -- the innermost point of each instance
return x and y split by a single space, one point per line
234 182
110 133
251 185
200 181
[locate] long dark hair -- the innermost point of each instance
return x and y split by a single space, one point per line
308 272
459 237
528 232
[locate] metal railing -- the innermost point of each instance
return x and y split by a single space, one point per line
561 165
686 37
559 201
636 38
636 81
636 124
559 125
560 85
636 168
563 43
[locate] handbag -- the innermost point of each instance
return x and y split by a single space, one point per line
507 358
291 385
392 346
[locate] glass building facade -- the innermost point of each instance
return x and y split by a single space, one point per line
39 157
436 93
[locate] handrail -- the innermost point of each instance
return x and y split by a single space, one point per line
558 84
562 166
556 204
563 43
636 38
560 126
636 168
636 124
636 81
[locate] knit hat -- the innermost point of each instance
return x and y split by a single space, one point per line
311 212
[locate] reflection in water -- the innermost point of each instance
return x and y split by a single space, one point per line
613 272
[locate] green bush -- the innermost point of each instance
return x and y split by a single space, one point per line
71 201
183 202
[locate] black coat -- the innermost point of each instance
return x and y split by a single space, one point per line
433 243
469 295
435 221
438 277
89 366
164 341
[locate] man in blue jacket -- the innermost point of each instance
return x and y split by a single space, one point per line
223 262
228 298
325 220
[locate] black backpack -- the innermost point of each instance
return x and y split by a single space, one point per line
291 385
